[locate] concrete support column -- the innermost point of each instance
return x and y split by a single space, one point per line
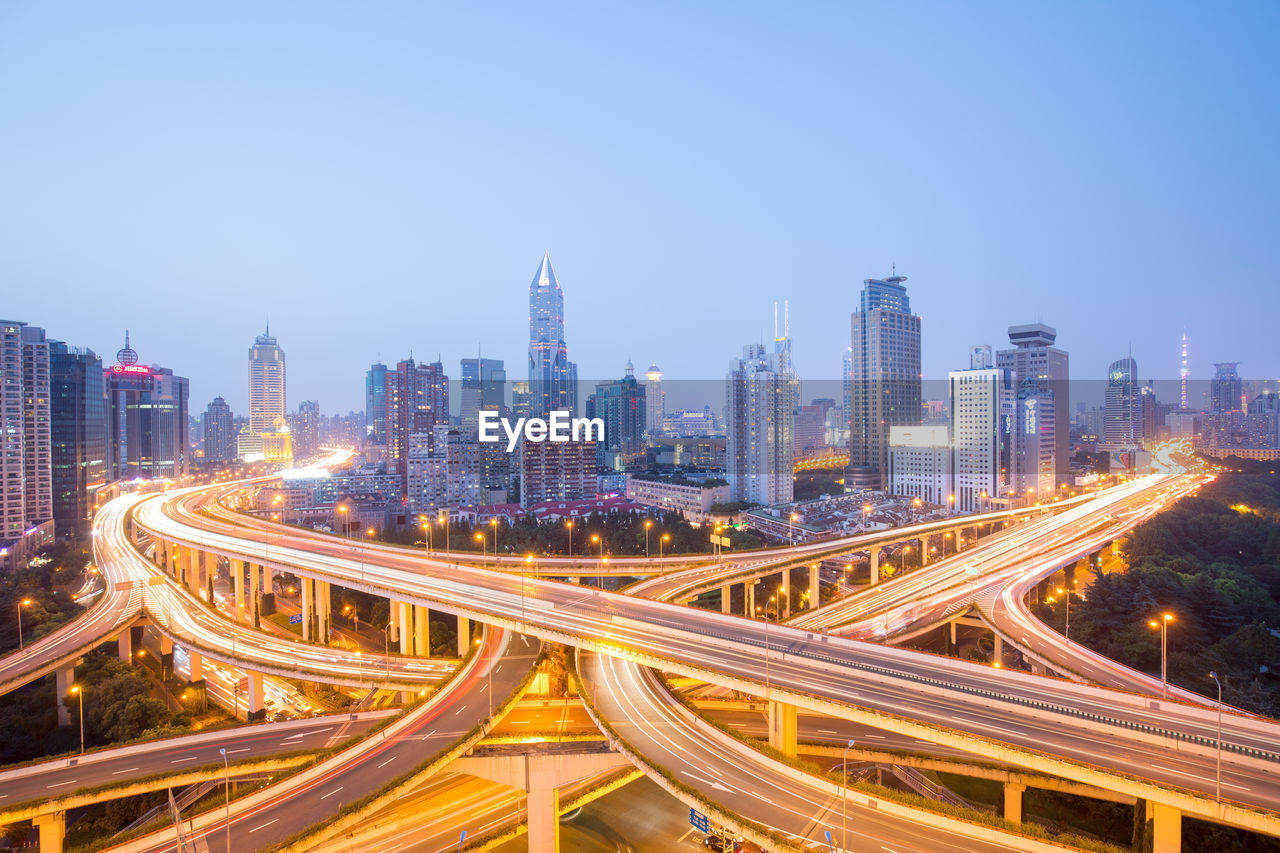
725 592
1069 576
64 679
324 611
749 598
782 727
53 830
924 551
815 587
544 815
421 631
393 623
237 582
784 595
254 695
268 585
124 645
166 655
1013 801
197 664
952 626
308 608
255 591
406 627
874 555
464 635
1166 834
208 570
998 654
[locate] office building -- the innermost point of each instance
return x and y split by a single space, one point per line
621 404
521 399
884 376
553 379
444 471
556 471
305 429
1226 391
266 383
1035 469
655 401
147 424
78 435
920 464
484 382
759 416
219 433
1035 358
1121 419
981 403
692 500
375 404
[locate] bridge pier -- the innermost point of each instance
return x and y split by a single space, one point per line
63 678
782 728
324 611
196 660
309 609
815 586
237 582
1013 801
1166 827
924 551
873 555
421 631
997 655
166 655
254 695
124 645
726 602
464 636
405 624
749 599
255 590
784 595
53 831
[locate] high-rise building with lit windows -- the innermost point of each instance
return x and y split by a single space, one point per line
553 379
1034 359
655 400
26 484
219 432
760 404
147 424
78 433
884 376
266 383
982 403
484 382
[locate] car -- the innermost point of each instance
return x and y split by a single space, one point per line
718 843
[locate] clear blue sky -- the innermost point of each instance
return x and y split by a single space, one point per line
385 177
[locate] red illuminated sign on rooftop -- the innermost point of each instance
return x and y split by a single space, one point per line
137 369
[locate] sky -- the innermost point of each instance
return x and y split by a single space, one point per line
380 179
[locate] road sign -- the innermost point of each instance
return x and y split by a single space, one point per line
296 619
970 570
243 684
699 821
830 843
722 541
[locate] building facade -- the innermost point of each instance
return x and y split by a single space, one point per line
760 418
884 376
693 500
26 476
1035 359
621 404
559 471
78 432
484 383
920 463
147 424
1122 417
375 404
553 379
219 432
417 402
266 383
981 414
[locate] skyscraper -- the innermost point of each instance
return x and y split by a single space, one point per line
78 432
760 403
553 379
375 404
1121 418
655 400
1226 390
1034 357
146 419
305 426
219 432
266 383
884 376
26 498
483 387
417 401
622 405
981 415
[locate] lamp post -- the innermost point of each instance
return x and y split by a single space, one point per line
493 522
444 522
226 778
569 524
765 615
1163 624
26 602
75 688
1217 788
666 537
791 529
1067 596
484 552
844 805
529 562
427 527
647 524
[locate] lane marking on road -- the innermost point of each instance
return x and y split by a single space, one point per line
188 758
331 793
234 751
60 784
385 763
265 825
118 772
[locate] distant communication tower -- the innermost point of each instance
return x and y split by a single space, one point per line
1184 373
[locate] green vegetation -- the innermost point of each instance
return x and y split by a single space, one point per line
1213 562
48 582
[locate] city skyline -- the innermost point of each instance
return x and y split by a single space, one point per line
203 181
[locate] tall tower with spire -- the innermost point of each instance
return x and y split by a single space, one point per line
266 383
553 379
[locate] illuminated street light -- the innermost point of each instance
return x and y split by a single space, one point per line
1163 624
75 688
26 602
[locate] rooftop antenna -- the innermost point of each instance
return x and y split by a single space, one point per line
786 318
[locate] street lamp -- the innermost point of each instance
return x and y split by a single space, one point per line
484 550
647 525
765 615
493 522
1163 624
666 537
226 778
1066 594
1217 791
26 602
791 524
568 522
422 520
75 688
